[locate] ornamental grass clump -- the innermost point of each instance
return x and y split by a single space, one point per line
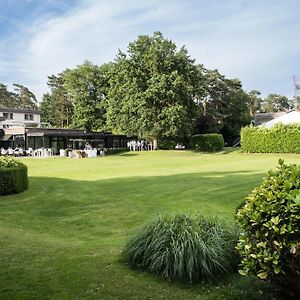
270 239
183 248
13 176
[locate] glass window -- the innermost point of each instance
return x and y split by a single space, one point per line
11 116
31 117
26 116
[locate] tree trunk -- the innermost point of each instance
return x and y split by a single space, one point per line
155 144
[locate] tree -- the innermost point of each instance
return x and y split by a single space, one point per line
87 87
56 106
7 98
255 101
24 97
223 105
152 90
47 107
276 103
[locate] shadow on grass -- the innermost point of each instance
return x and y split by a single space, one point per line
76 229
226 150
129 202
128 154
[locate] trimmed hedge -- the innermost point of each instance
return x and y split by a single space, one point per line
277 139
270 239
13 176
207 142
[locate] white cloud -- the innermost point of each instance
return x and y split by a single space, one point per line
250 41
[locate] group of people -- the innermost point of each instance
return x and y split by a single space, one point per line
140 145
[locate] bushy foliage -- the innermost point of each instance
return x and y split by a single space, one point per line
207 142
270 220
183 248
13 176
277 139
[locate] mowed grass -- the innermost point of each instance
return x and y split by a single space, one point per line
62 238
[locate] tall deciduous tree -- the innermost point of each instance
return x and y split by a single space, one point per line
56 106
152 90
87 87
224 107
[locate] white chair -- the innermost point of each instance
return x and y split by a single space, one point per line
10 151
29 151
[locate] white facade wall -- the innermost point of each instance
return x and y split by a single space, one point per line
16 118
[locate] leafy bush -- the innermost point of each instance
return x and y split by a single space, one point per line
270 220
167 144
277 139
183 248
13 176
207 142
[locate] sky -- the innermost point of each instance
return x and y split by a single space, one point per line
256 41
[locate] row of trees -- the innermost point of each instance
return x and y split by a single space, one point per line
21 97
154 91
272 103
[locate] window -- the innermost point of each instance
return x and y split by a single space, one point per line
28 117
8 116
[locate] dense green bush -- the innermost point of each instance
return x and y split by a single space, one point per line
277 139
183 248
207 142
13 176
270 220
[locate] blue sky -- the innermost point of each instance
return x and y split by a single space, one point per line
255 41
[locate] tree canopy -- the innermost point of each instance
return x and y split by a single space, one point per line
77 98
152 90
22 97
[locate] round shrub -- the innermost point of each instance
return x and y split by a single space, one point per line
270 221
207 142
183 248
13 176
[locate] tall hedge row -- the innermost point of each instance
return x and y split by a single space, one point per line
277 139
207 142
13 176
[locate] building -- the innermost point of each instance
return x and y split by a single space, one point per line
16 117
22 127
292 117
261 118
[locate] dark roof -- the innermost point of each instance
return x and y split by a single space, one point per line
55 132
19 110
260 118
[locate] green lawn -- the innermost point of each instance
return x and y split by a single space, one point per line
62 238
